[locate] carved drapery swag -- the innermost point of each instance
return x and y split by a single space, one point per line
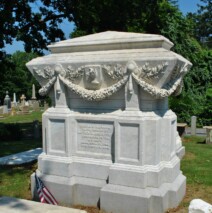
86 81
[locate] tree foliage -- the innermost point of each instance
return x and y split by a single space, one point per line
14 76
202 21
38 26
30 21
181 31
161 17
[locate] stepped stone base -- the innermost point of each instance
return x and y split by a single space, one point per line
122 199
114 198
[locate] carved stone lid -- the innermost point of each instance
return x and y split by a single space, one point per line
111 40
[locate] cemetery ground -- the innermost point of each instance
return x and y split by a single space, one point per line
15 180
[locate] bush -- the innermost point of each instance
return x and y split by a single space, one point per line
9 132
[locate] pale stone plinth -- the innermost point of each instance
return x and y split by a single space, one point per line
208 134
181 128
193 125
110 139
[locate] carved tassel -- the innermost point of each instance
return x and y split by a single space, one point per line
130 85
58 89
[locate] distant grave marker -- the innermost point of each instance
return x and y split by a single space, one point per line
7 103
23 100
33 93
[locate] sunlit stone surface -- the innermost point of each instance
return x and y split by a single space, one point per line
110 139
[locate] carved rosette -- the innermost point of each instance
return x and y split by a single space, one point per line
89 82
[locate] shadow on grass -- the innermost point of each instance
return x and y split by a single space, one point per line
29 139
13 147
202 142
12 170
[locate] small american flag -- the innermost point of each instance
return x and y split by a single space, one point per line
44 195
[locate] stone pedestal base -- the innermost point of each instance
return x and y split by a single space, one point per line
122 199
71 191
113 198
122 161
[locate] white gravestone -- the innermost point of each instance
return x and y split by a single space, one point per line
14 100
199 206
7 104
110 138
33 93
193 125
23 100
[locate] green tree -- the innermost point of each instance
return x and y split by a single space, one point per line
15 77
30 21
36 23
123 15
39 27
162 17
202 23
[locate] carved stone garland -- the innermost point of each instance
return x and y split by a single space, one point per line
142 75
174 86
94 95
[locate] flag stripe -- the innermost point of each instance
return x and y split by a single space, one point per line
44 195
49 195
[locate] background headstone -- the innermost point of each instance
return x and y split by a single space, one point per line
193 125
36 106
208 139
25 109
33 92
14 100
7 102
23 100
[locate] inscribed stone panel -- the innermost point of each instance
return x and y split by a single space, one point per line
57 135
94 136
129 141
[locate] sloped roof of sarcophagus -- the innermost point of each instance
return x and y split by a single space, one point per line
111 40
117 56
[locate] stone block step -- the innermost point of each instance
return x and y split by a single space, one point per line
15 205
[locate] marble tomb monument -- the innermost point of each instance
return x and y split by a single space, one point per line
110 139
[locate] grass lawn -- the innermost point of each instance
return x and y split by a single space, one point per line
196 166
12 147
27 142
22 118
15 181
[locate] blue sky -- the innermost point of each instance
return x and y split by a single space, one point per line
184 5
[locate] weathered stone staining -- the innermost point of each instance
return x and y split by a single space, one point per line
110 139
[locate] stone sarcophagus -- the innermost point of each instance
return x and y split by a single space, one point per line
110 140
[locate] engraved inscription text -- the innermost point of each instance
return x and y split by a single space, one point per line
95 136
